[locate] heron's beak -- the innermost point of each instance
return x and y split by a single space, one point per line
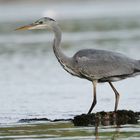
26 27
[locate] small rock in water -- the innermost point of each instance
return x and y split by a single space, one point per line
119 117
61 120
33 120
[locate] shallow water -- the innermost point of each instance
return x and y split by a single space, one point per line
32 82
66 130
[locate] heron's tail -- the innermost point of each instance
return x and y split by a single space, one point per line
138 66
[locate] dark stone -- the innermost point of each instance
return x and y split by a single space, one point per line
119 117
60 120
33 120
84 120
42 119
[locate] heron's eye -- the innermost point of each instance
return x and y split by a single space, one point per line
40 22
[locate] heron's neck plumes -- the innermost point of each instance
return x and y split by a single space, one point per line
62 58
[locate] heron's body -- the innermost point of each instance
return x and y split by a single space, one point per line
91 64
104 65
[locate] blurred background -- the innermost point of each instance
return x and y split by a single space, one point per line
32 82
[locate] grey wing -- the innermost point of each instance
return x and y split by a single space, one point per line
101 64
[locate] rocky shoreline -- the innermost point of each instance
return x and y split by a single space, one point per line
119 117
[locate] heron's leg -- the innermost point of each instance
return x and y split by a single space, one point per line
117 96
94 97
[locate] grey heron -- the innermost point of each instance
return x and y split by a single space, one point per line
97 66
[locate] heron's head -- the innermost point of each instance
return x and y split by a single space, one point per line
42 23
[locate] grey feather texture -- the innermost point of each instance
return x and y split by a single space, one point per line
105 65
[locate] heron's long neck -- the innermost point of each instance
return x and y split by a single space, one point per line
62 58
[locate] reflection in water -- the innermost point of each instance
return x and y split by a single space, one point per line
96 129
115 134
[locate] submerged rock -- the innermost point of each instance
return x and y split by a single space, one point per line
33 120
42 120
61 120
119 117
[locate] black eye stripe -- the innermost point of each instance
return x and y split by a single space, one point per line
44 20
51 19
48 18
